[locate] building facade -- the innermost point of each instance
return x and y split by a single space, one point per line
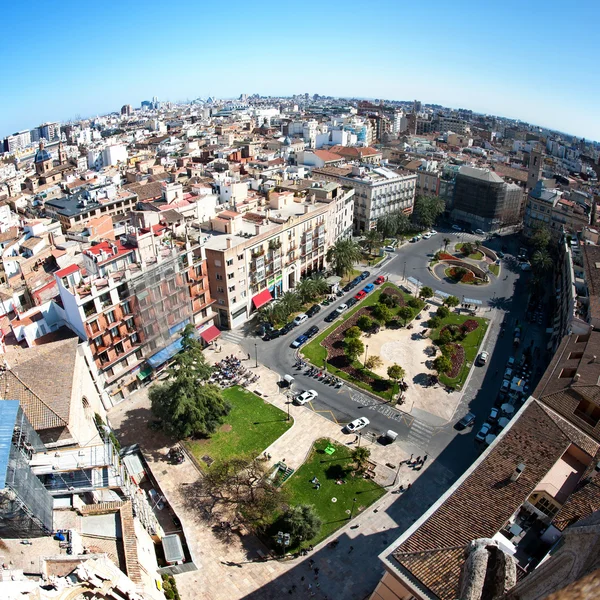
378 191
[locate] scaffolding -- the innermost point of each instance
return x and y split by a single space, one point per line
25 505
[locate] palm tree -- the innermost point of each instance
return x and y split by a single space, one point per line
343 255
305 288
360 456
372 238
387 225
541 261
320 284
290 303
446 242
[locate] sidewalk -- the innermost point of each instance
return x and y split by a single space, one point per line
226 568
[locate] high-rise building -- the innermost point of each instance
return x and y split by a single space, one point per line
535 169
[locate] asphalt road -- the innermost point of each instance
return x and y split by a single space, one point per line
503 299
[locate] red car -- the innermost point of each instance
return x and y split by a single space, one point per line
380 279
360 295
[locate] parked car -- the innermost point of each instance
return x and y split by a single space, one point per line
351 302
362 294
356 425
456 228
426 236
479 232
342 308
299 341
305 397
300 319
466 421
272 334
356 281
482 358
332 316
500 254
365 274
287 328
390 249
511 361
415 239
483 432
380 279
368 288
505 386
433 232
313 310
494 413
263 328
508 374
347 287
312 331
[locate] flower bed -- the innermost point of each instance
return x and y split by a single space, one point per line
446 256
457 359
470 325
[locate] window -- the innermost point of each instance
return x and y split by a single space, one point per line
126 309
230 262
134 338
119 348
114 332
588 412
231 288
240 257
217 263
219 277
105 300
103 358
89 309
220 290
110 316
94 327
230 275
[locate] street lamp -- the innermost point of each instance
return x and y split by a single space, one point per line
256 356
404 272
359 438
289 400
366 350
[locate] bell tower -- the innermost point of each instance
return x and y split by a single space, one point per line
535 169
62 154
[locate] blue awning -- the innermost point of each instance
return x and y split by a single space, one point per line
165 354
178 327
442 294
471 301
414 281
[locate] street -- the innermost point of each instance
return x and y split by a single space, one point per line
420 432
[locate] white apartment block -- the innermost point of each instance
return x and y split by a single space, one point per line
379 191
257 256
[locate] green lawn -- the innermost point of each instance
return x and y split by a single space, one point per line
250 427
316 353
477 255
495 269
471 344
328 469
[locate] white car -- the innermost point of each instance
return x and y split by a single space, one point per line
342 308
482 433
433 232
356 425
479 232
305 397
426 236
300 319
482 358
494 414
456 228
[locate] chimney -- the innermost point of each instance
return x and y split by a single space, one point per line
228 243
257 229
517 472
576 377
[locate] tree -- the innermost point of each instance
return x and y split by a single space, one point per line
238 485
459 273
373 362
343 255
445 337
467 249
352 332
405 313
305 289
426 292
387 225
319 283
360 457
540 239
442 364
301 521
353 348
434 322
290 303
426 210
372 239
365 323
382 313
442 312
396 373
414 302
541 261
451 301
186 405
446 242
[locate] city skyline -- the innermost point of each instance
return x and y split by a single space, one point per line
502 62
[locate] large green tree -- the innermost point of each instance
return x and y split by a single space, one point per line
372 240
382 313
405 313
541 261
426 210
360 457
425 292
396 372
343 255
442 364
186 405
353 348
301 521
452 301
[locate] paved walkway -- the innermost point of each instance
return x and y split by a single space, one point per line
229 568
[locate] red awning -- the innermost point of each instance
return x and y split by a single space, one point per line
262 298
210 334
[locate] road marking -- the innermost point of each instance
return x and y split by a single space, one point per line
233 336
421 433
372 404
324 411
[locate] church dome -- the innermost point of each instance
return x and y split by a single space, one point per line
41 155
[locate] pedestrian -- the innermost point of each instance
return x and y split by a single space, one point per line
356 439
424 458
401 488
318 585
302 578
311 562
408 486
317 571
248 355
309 586
351 549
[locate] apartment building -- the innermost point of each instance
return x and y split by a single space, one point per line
76 209
129 300
261 254
547 208
483 200
378 191
453 123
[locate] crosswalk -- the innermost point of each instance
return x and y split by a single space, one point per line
420 433
235 336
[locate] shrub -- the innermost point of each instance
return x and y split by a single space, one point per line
442 364
442 312
445 337
373 362
365 323
352 332
414 302
382 313
434 322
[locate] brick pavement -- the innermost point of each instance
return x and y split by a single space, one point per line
229 569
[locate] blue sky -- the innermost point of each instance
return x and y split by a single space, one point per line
534 60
